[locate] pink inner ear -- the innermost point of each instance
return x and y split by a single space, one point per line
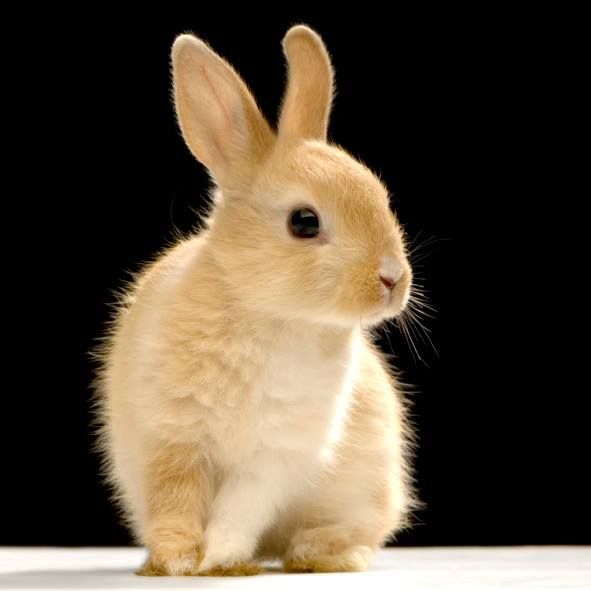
218 132
215 94
229 139
227 134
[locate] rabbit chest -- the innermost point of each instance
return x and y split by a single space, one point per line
294 400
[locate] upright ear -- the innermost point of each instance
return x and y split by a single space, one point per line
218 116
308 97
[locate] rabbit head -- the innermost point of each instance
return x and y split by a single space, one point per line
299 229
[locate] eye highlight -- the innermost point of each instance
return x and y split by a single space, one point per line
304 223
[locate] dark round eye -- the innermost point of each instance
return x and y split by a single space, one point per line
304 223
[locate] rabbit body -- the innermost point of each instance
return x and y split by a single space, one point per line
241 421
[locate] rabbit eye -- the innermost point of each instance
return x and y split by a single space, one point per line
304 223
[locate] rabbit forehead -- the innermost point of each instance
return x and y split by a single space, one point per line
329 179
316 165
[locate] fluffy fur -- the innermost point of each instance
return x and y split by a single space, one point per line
245 412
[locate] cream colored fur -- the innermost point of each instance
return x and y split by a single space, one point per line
245 411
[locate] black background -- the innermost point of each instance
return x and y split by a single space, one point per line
457 113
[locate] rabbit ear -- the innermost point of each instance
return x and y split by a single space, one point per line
218 116
308 97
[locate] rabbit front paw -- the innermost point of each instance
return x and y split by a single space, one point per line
174 552
172 562
228 555
235 569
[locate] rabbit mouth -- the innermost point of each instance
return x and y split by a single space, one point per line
390 309
393 304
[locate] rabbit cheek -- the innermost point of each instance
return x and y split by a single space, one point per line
361 293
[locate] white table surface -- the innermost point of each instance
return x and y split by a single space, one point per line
396 569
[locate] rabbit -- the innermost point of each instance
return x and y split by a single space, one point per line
245 412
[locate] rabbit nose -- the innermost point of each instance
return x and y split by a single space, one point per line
390 272
388 282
